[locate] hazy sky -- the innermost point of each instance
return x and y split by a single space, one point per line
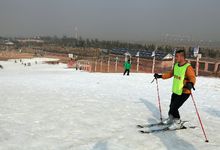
111 19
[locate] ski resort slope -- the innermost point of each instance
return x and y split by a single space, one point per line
49 107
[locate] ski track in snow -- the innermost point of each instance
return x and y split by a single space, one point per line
50 107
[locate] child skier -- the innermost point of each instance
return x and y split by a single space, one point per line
127 67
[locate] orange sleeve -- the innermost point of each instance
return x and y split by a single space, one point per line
167 75
190 75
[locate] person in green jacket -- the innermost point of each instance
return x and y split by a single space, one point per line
127 67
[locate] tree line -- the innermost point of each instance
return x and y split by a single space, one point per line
71 42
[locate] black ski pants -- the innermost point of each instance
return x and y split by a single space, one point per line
127 71
176 102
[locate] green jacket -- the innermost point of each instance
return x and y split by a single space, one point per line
127 65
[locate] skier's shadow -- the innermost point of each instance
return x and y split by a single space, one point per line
100 145
170 140
213 112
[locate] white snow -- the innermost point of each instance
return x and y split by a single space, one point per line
48 107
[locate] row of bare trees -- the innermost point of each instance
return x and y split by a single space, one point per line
87 44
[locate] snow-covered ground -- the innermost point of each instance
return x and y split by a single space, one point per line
48 107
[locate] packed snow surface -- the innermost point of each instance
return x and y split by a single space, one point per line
50 107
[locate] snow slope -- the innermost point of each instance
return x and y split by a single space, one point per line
48 107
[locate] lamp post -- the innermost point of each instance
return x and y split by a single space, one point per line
137 55
101 65
154 58
174 53
116 64
108 63
95 65
198 56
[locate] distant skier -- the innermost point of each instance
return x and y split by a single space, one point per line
183 81
1 67
127 67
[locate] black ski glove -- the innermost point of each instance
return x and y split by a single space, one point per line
189 86
157 76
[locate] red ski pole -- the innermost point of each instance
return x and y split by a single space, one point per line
200 121
158 98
